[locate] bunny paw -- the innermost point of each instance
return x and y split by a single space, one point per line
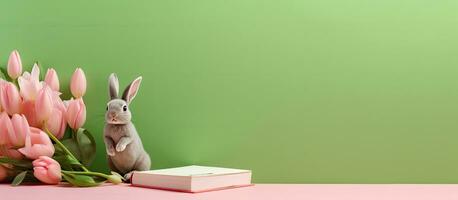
120 147
128 176
111 152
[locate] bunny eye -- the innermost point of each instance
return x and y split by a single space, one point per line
107 107
124 108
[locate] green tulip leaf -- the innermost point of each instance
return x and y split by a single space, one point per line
19 178
66 162
81 180
68 132
72 146
58 150
18 163
4 75
87 146
82 145
66 159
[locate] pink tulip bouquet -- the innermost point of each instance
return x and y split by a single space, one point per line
41 135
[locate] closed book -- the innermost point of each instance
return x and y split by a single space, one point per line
192 178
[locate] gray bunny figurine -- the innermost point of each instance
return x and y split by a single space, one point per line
123 144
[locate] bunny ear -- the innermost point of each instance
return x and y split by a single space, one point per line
113 86
131 90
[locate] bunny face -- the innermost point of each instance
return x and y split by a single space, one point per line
117 112
118 109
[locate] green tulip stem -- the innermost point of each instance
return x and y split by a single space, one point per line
87 173
53 138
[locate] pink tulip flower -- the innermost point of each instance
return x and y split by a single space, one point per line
2 82
57 124
11 137
57 101
47 170
11 152
10 99
16 129
76 113
3 173
78 83
28 110
37 144
44 104
14 67
4 139
6 148
9 141
52 79
30 84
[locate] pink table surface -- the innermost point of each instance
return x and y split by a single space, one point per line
259 191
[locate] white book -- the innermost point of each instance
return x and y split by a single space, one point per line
192 178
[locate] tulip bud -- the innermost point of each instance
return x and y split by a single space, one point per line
4 119
2 82
10 99
78 83
115 179
52 79
44 105
57 124
1 109
14 67
76 113
47 170
17 129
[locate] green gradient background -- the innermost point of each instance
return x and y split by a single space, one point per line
319 91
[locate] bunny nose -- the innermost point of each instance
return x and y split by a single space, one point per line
113 115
